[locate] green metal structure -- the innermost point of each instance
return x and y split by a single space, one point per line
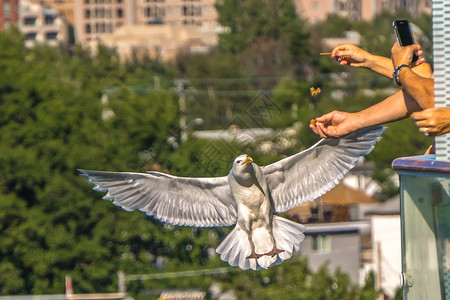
425 223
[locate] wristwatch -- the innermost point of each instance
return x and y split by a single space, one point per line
395 73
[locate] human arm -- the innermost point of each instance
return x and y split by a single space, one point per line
420 88
337 123
433 121
352 55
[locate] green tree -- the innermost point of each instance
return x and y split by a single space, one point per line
262 32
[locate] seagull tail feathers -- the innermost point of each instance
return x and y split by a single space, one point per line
235 248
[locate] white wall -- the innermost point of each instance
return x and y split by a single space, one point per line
386 234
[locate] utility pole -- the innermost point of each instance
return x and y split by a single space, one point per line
180 89
156 82
121 282
379 264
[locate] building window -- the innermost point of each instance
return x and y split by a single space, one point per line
148 12
186 11
49 19
100 27
321 243
87 28
87 1
87 13
100 13
341 6
30 36
119 13
7 9
51 35
192 10
29 21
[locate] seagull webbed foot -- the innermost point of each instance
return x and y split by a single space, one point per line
254 255
274 252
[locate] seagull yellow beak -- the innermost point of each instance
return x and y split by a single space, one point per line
248 160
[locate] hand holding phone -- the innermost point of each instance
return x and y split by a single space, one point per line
404 35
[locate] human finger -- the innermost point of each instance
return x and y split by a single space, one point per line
418 62
423 123
419 115
428 131
341 48
314 129
326 117
328 130
320 129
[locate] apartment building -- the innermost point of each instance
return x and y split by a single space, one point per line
9 14
318 10
188 12
95 18
164 41
41 25
63 7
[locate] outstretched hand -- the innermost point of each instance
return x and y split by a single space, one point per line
349 54
333 125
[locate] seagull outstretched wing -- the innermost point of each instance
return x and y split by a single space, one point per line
198 202
309 174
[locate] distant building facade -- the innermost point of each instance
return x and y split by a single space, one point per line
41 25
318 10
63 7
95 18
200 13
339 245
9 14
163 41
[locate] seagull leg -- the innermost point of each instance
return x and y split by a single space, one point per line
253 254
275 250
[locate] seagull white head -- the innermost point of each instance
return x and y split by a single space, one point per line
242 160
242 169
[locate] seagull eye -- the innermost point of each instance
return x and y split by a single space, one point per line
238 161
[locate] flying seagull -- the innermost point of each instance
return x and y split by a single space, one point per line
247 197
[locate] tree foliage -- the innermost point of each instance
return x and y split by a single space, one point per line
268 36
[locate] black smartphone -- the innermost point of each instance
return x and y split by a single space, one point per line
404 34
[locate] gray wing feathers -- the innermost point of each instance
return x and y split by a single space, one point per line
311 173
199 202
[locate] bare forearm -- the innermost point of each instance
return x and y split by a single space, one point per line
396 107
421 89
337 123
381 65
